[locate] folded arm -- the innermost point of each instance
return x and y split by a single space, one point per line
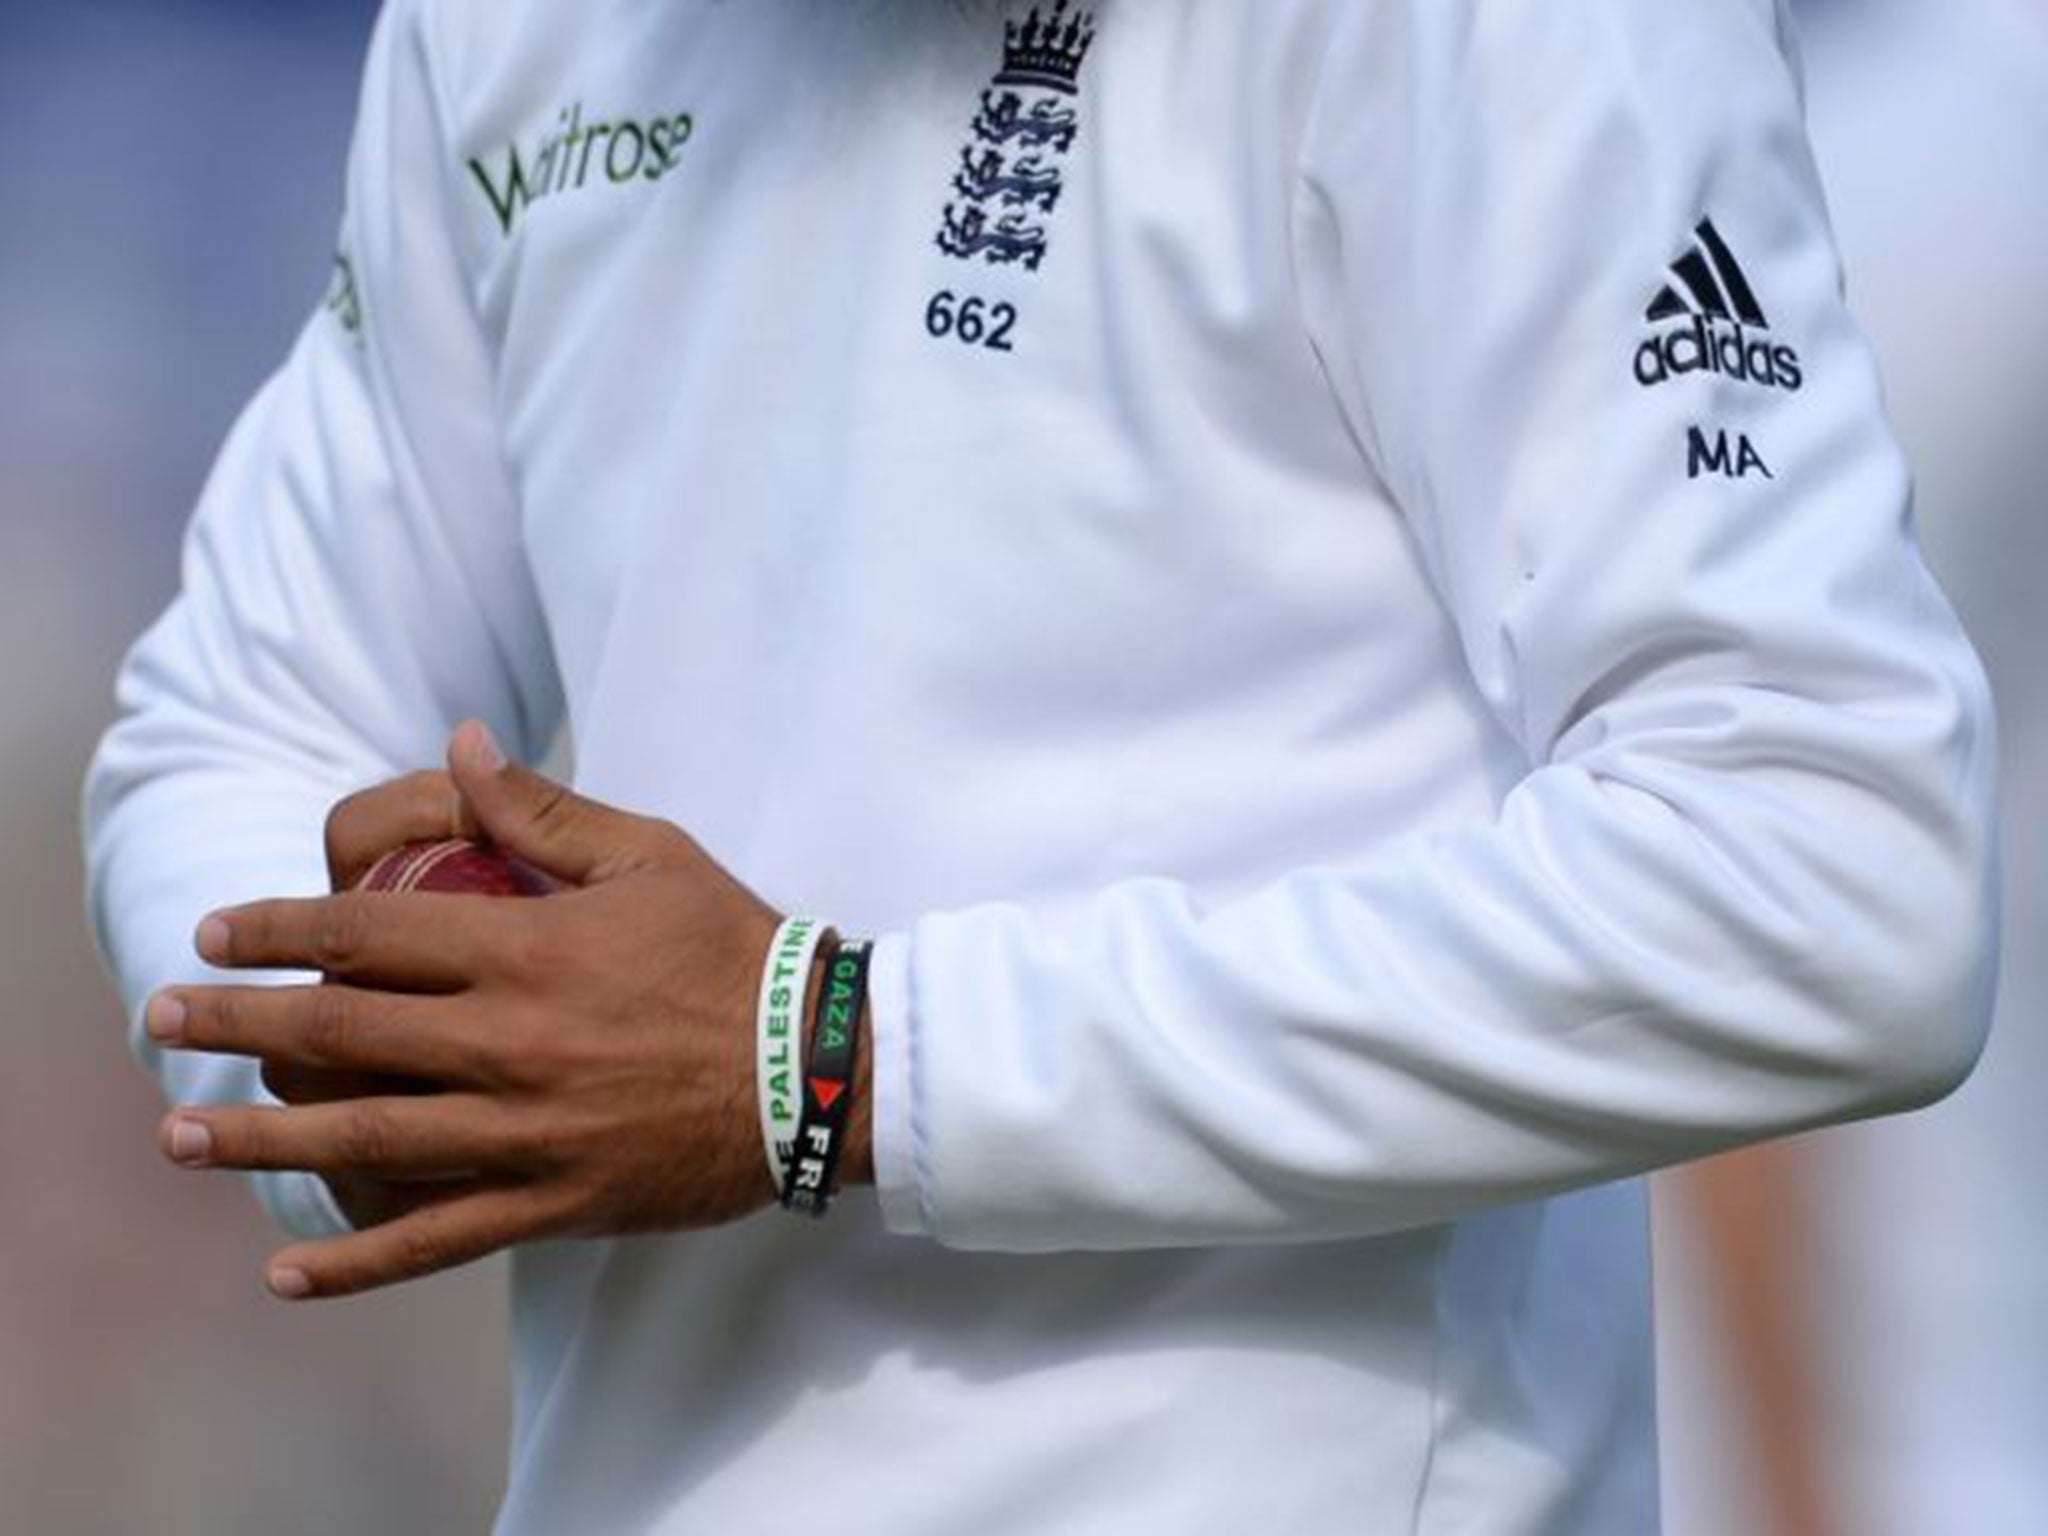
1744 887
351 587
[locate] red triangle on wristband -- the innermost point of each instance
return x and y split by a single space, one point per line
826 1091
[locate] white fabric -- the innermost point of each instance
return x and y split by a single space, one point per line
1323 774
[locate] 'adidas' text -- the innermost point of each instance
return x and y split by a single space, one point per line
1705 347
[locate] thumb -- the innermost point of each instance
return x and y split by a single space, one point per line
536 819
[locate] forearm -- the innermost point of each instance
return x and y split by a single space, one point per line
353 580
1637 963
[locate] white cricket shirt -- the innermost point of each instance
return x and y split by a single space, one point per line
1364 660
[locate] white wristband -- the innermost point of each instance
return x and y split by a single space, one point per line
785 977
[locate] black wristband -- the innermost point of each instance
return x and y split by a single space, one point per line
829 1079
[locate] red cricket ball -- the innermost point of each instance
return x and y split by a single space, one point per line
455 867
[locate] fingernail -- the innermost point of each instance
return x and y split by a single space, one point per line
191 1142
289 1284
212 940
165 1017
484 752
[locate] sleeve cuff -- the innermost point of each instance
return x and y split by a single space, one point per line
899 1170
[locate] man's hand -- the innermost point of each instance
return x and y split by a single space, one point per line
590 1053
418 807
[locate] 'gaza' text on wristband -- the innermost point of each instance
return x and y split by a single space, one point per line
829 1081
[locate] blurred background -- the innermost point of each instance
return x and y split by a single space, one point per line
1854 1325
169 196
1855 1330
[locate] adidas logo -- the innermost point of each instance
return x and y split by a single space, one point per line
1719 316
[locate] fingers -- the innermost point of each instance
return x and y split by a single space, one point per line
292 1084
546 824
370 1202
408 942
438 1236
420 807
410 1139
336 1028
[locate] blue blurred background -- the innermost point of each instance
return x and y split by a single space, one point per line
169 188
169 191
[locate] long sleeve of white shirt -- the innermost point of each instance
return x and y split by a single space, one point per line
1743 887
350 590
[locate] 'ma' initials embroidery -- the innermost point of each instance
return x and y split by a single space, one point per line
1009 181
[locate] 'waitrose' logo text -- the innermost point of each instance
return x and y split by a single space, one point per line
566 159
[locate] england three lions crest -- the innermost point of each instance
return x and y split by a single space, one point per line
1010 176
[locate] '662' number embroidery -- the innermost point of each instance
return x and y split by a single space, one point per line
971 321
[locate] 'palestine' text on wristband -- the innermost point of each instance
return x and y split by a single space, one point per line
828 1081
779 1061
